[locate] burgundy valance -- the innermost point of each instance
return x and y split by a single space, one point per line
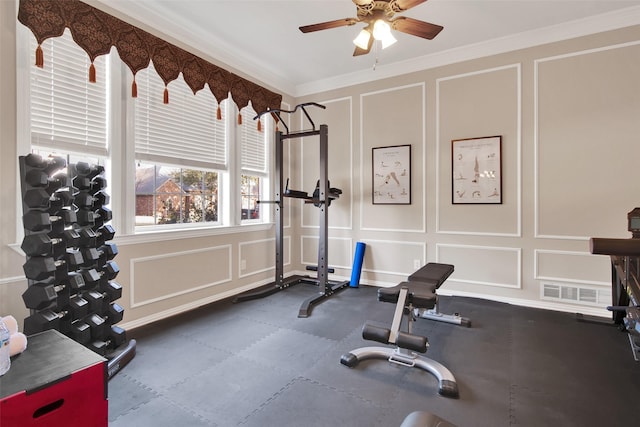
96 32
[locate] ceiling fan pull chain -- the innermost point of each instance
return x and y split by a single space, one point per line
376 50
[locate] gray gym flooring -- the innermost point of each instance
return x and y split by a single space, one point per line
256 363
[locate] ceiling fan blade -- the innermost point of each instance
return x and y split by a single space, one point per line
327 25
360 51
416 27
402 5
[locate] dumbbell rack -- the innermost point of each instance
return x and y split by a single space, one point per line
69 264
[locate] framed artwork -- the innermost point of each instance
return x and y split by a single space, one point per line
392 175
477 170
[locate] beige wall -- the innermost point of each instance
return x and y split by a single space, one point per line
568 117
567 114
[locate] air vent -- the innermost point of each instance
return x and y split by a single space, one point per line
576 294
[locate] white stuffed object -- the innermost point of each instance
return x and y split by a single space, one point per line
18 340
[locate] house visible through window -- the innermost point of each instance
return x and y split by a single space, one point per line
170 195
250 192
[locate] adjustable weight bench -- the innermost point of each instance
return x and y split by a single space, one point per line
433 275
407 296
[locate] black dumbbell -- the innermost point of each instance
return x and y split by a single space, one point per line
112 289
93 277
98 183
83 174
95 217
116 337
49 165
97 301
69 235
36 198
39 198
41 244
39 296
90 171
114 313
98 325
44 245
92 186
100 304
105 233
39 178
84 199
41 268
46 319
80 332
94 238
73 280
77 306
61 199
39 220
99 256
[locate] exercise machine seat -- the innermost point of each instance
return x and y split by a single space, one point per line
424 419
419 295
431 276
432 273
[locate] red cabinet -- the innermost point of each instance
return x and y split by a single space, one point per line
54 382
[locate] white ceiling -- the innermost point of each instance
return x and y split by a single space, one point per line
261 38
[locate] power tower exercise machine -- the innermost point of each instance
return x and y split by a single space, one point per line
321 198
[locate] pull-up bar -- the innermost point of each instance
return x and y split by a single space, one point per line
302 106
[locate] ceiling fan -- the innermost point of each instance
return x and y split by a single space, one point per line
379 17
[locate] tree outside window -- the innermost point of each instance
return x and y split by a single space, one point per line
170 195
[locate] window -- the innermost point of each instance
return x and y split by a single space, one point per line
180 152
171 195
68 113
170 165
250 193
254 165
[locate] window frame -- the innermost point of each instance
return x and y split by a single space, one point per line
264 176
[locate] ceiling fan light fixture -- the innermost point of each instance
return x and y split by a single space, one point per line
388 40
362 41
382 32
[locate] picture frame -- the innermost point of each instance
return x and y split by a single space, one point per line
391 180
476 165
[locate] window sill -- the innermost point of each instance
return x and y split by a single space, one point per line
175 234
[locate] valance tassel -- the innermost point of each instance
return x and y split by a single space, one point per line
259 126
239 119
219 113
39 57
92 73
166 95
134 88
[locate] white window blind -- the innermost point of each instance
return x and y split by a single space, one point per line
254 150
185 131
67 111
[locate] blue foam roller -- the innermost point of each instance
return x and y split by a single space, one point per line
357 264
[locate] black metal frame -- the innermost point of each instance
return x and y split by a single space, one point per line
321 199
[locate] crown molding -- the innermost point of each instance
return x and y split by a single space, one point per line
595 24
